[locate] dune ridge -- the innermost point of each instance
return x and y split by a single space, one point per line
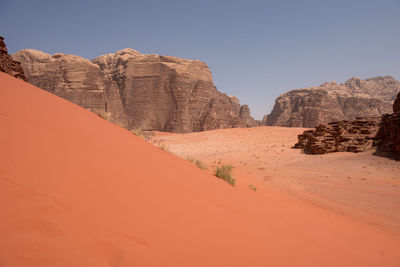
76 190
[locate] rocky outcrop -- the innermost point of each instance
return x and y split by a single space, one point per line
8 65
137 91
334 102
342 136
388 137
396 104
247 118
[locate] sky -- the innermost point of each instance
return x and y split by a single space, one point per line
256 50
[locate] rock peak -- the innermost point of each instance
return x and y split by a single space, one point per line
129 51
8 64
33 52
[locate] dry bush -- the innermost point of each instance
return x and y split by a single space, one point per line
225 173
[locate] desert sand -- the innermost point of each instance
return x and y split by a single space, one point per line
76 190
362 186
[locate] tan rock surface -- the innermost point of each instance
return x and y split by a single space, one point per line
330 102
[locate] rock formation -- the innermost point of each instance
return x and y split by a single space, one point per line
388 137
351 136
396 104
8 65
137 91
247 119
334 102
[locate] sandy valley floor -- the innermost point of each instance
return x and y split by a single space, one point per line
361 186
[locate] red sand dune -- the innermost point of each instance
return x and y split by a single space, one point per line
76 190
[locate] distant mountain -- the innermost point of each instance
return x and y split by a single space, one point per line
330 101
137 91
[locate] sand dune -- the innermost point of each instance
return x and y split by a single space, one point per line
76 190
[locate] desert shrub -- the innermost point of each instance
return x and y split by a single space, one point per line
201 165
252 187
165 148
198 163
147 135
225 173
137 132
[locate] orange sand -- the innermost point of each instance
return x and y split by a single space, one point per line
358 185
76 190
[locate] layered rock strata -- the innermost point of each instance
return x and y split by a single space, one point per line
330 102
137 91
388 137
8 65
342 136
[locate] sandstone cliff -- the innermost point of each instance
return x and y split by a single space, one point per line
7 64
330 102
137 91
388 137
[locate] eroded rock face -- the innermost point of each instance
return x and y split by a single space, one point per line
396 104
334 102
136 91
342 136
8 65
388 137
247 118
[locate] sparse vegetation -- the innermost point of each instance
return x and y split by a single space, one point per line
252 187
198 163
137 132
144 134
165 148
201 165
225 173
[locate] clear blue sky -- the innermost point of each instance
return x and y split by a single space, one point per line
256 50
